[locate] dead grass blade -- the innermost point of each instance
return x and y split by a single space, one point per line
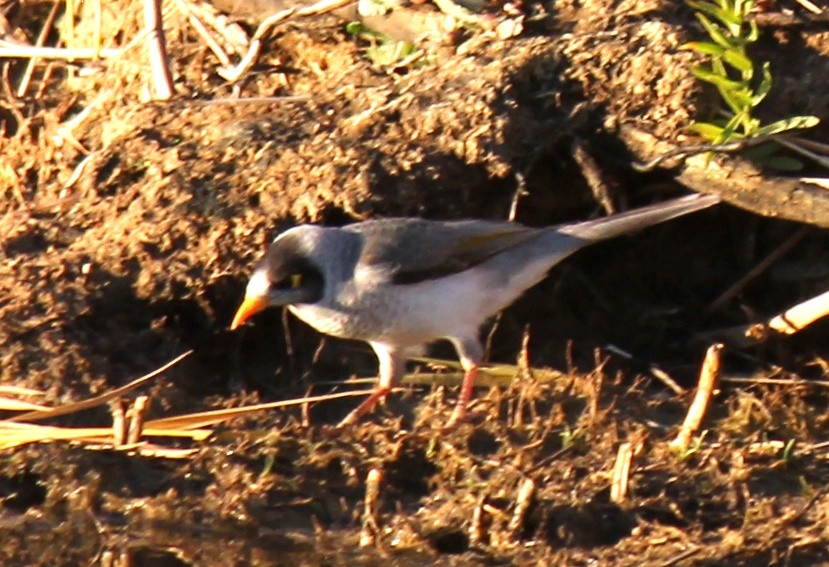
18 391
208 418
98 400
12 404
16 434
501 375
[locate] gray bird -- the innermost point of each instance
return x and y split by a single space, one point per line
399 283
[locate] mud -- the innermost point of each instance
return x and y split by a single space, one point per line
127 236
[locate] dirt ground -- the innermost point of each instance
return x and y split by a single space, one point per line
129 228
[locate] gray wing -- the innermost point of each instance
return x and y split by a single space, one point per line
415 250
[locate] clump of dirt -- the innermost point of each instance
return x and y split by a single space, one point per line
129 227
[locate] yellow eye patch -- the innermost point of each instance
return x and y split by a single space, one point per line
296 280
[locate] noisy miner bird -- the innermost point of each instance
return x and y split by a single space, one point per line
399 283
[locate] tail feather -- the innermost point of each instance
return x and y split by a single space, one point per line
637 219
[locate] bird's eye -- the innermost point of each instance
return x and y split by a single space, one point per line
293 281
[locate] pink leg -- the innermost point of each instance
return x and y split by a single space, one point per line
392 364
459 413
368 404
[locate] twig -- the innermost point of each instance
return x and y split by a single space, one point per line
666 379
681 556
810 6
798 148
490 336
592 174
526 492
162 81
205 34
371 524
699 406
655 371
136 419
761 267
621 473
694 149
9 50
520 191
476 525
252 100
41 39
776 381
233 74
119 423
793 319
99 19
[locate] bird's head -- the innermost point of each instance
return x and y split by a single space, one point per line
287 275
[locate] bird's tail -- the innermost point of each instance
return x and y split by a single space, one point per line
631 221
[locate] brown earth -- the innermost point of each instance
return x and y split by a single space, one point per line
145 255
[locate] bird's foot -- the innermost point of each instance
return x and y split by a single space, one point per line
459 413
458 416
365 407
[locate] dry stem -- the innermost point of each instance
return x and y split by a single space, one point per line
705 388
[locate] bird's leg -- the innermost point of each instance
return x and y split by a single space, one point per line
470 352
459 413
392 364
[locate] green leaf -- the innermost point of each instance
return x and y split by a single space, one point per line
354 28
715 79
764 87
737 59
793 123
738 100
718 67
705 7
753 33
713 31
783 163
707 130
389 52
705 48
730 131
760 152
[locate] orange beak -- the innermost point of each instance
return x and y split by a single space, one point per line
249 307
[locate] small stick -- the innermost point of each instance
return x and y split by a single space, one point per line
119 423
655 371
371 525
795 318
592 173
136 414
666 379
621 473
761 267
162 81
202 30
520 191
233 74
699 406
99 21
305 409
10 50
526 492
809 6
476 525
41 39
